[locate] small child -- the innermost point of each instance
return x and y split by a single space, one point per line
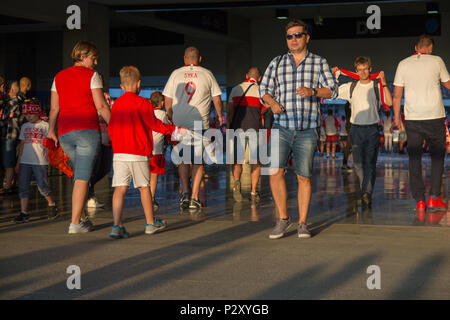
132 121
157 161
32 160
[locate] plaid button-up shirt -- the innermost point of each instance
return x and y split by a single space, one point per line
312 72
12 119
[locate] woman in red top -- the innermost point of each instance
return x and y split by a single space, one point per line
77 96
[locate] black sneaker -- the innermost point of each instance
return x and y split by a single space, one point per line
195 204
22 218
184 201
367 200
53 212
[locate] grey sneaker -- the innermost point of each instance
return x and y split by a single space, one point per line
78 228
184 201
157 225
86 222
303 231
281 227
118 232
237 191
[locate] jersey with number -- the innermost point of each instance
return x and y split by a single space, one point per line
191 88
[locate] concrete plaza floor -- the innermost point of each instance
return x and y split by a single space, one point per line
223 251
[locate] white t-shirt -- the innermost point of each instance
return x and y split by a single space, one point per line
96 82
191 88
158 138
34 151
363 103
421 76
330 126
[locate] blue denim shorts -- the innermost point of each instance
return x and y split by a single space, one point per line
301 143
82 147
40 172
9 154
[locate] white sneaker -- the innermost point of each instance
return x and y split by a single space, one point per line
93 203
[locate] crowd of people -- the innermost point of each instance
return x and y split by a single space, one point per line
128 135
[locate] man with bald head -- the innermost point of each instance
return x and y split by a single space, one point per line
188 95
244 112
24 88
421 76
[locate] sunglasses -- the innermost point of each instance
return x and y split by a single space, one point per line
297 35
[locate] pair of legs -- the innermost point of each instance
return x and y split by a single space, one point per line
157 167
9 161
102 167
346 150
254 175
365 143
433 132
40 173
279 192
146 201
387 142
302 144
82 147
184 171
124 171
333 148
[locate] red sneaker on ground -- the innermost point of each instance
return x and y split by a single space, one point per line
421 205
436 204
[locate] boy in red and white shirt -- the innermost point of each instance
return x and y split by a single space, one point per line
32 160
130 130
157 161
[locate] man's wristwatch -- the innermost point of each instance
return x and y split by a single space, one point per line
314 91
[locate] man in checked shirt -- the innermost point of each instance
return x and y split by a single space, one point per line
292 86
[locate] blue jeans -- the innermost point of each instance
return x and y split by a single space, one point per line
301 143
365 143
40 172
9 153
82 147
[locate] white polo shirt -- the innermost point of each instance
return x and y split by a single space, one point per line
421 76
191 88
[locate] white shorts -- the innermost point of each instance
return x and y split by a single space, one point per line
125 170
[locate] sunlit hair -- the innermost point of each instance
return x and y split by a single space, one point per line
192 53
129 75
156 98
424 41
297 23
362 60
83 48
254 73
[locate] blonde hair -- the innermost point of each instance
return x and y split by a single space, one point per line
129 75
362 60
83 48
